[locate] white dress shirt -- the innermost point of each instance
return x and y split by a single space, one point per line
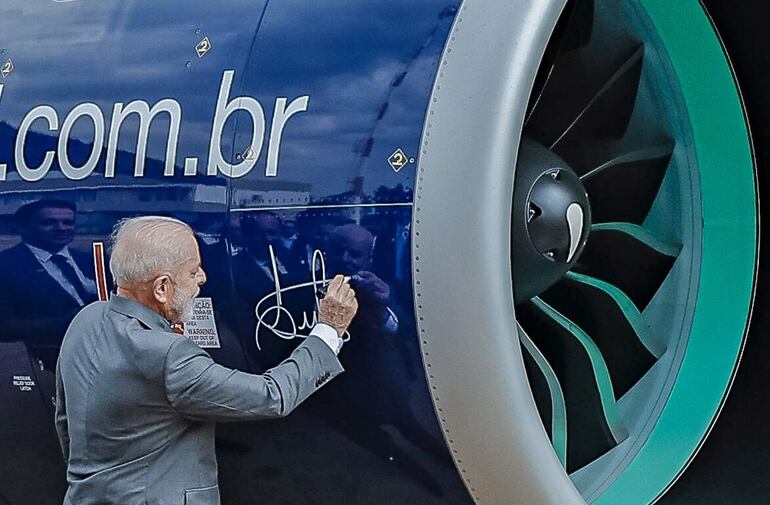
44 257
328 335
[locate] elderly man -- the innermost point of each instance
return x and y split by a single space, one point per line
349 249
136 403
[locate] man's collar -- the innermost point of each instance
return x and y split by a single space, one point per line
43 255
143 313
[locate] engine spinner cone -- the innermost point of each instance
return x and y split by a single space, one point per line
551 220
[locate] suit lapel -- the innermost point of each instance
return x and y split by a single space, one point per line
37 278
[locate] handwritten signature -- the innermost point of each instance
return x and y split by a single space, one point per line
281 315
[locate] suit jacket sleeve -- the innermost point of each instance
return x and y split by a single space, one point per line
62 428
200 389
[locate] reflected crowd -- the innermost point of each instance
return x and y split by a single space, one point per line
381 404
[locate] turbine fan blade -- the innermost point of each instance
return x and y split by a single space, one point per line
548 394
607 114
642 235
572 32
574 80
624 261
639 173
594 426
581 24
612 320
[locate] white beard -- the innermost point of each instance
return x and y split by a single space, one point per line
183 306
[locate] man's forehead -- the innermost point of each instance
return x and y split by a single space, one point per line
352 238
191 241
57 212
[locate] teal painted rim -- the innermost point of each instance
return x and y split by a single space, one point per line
729 252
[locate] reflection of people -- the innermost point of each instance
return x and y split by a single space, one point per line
143 400
349 250
214 249
261 232
382 360
254 276
311 237
392 251
44 281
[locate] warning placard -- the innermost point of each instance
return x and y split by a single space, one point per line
202 328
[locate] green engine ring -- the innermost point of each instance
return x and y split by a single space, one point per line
729 253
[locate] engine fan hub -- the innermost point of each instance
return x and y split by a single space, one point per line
551 220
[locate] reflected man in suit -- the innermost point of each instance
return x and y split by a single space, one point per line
311 236
262 231
45 282
255 275
349 250
385 368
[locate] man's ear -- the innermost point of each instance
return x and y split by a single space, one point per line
161 288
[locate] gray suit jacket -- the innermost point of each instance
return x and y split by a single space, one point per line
136 406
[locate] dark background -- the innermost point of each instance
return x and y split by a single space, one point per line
733 466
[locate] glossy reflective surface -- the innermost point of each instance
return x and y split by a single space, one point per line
337 95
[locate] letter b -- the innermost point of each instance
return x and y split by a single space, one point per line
223 111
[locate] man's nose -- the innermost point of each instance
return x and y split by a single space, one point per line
201 277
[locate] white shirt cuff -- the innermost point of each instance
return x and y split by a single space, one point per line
328 335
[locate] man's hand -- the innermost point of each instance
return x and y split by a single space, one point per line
371 287
338 306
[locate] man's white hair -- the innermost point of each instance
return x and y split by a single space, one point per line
145 247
